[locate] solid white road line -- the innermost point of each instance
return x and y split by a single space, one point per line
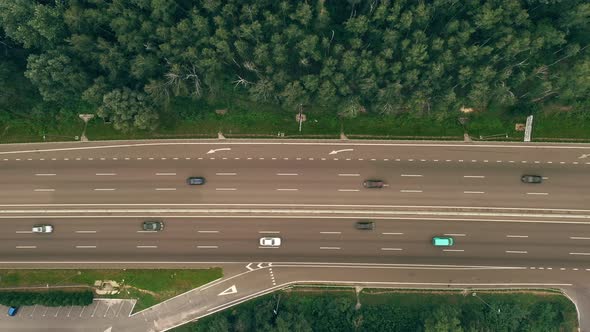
26 247
412 175
330 232
106 174
104 189
85 247
410 191
207 247
165 174
85 232
474 192
226 174
24 232
454 250
346 174
206 232
348 190
580 253
287 174
392 233
287 189
165 189
44 190
391 249
45 174
579 238
226 189
269 232
142 231
517 236
146 247
454 234
537 194
329 248
474 176
516 252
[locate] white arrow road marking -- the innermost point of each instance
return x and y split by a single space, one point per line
215 150
584 156
338 151
231 290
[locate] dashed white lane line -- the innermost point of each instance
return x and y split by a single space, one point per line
287 189
269 232
410 191
540 194
208 232
329 248
392 249
226 189
45 174
412 175
106 174
104 189
44 190
26 247
474 176
146 247
474 192
226 174
454 250
392 233
517 236
207 247
579 238
85 247
349 190
349 174
517 252
85 232
455 234
24 232
580 253
165 174
165 189
287 174
330 232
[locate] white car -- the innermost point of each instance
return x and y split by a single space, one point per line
270 241
42 229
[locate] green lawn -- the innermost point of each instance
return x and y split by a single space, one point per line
148 286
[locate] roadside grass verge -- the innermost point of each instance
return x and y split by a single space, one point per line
148 286
336 309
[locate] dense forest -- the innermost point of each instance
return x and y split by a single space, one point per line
127 59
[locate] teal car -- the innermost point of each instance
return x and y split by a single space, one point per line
442 241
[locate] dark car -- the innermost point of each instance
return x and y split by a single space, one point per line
373 184
195 180
12 311
365 225
152 225
531 179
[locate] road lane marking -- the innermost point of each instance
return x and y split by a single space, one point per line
517 236
226 174
165 174
26 247
269 232
226 189
579 238
105 189
106 174
454 234
260 247
537 194
330 232
474 192
329 248
454 250
287 174
45 174
348 190
24 232
516 252
349 174
410 191
392 233
412 175
207 247
146 247
85 247
44 190
85 232
287 189
207 232
391 249
165 189
474 176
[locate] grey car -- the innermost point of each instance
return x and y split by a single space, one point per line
152 225
365 225
531 179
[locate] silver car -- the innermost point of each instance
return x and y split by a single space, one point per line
270 241
42 229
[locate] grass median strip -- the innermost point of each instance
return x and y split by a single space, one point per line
147 286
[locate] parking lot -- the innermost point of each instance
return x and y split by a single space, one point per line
100 309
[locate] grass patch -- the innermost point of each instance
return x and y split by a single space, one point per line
403 125
314 309
148 286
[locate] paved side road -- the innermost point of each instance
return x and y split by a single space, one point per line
101 315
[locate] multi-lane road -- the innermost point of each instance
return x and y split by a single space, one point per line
310 194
